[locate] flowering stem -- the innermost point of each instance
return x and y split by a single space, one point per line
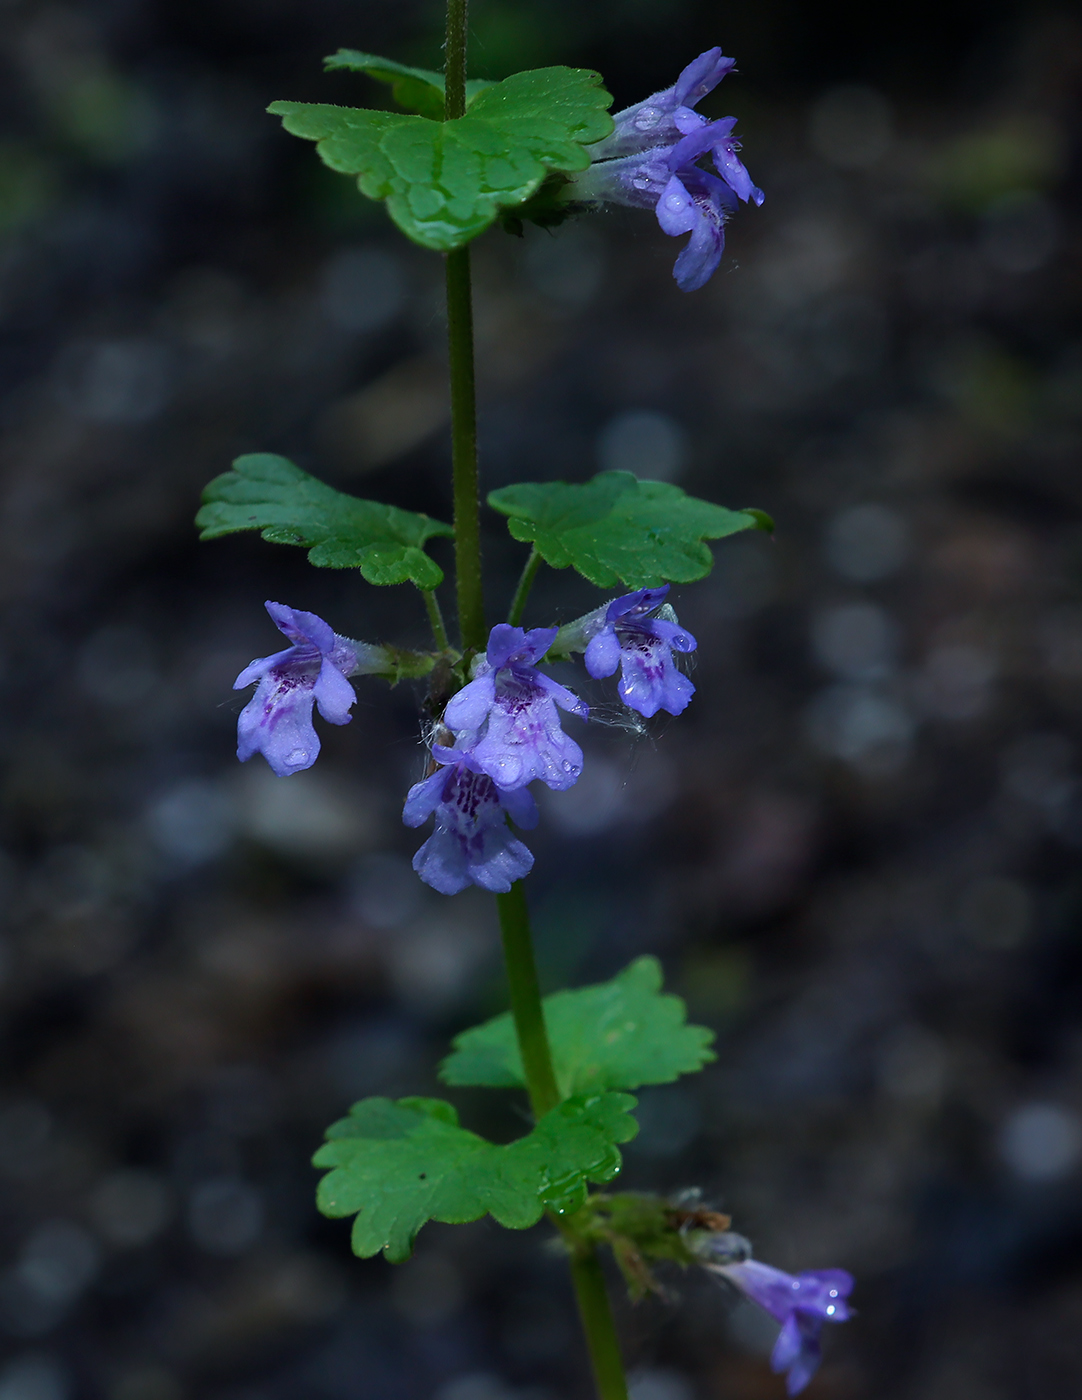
514 917
597 1322
435 618
533 1044
454 95
471 611
522 592
533 1041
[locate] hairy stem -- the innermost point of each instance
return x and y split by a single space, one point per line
533 1043
435 618
522 592
529 1019
597 1322
471 610
514 917
454 95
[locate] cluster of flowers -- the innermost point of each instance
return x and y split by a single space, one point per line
503 727
802 1303
504 732
651 161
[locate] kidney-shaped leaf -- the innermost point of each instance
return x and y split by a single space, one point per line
616 528
614 1035
268 493
396 1165
416 89
446 182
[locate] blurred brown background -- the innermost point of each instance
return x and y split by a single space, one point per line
857 853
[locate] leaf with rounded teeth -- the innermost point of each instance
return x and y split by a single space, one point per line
446 181
614 1035
417 89
397 1165
617 529
268 493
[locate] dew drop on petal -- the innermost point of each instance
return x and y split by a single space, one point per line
298 756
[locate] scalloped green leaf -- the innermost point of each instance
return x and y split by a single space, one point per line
416 89
397 1165
618 529
269 493
614 1035
446 182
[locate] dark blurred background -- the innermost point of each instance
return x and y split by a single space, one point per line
857 853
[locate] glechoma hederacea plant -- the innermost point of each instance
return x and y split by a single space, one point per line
463 155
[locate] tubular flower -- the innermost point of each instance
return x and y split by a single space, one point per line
802 1303
655 166
472 843
653 121
506 716
277 721
642 646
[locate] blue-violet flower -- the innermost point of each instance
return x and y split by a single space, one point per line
472 843
642 646
277 721
653 121
506 716
655 166
802 1303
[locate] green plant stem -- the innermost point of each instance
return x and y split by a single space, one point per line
471 608
522 592
526 1009
514 916
435 618
454 93
533 1043
597 1322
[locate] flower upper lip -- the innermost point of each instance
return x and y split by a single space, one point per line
632 134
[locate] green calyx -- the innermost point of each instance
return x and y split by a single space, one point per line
641 1229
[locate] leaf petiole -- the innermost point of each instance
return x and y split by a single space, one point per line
435 618
525 583
526 1007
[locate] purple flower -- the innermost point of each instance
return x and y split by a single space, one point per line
654 165
802 1303
696 203
506 716
642 646
277 721
654 121
472 843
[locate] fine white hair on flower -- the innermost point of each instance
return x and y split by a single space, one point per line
611 715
